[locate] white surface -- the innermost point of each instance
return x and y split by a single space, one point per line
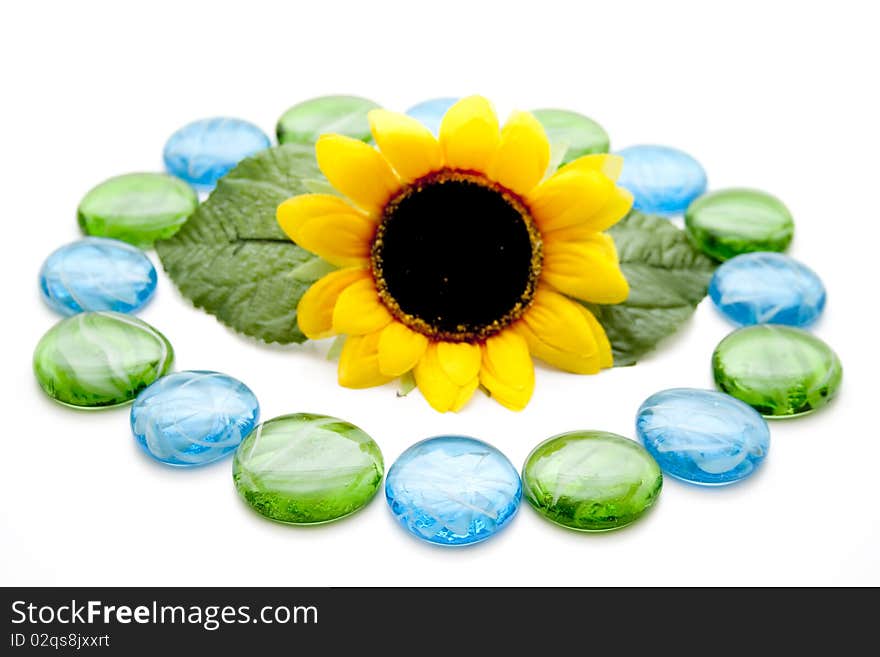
782 99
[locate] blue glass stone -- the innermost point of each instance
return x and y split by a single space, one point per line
96 273
453 490
430 112
767 288
663 180
702 436
193 417
204 151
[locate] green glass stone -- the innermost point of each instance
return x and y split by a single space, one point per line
780 371
138 208
579 134
100 359
591 480
729 222
304 469
341 115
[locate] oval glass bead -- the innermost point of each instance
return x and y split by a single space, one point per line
194 417
591 480
342 115
305 469
729 222
97 274
663 180
204 151
138 208
453 490
577 134
780 371
767 288
702 436
100 359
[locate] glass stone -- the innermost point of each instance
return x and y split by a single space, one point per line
578 134
304 469
431 112
138 208
194 417
100 359
780 371
343 115
702 436
453 490
97 274
662 180
767 288
591 480
204 151
729 222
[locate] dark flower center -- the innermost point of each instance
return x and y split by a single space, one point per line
456 256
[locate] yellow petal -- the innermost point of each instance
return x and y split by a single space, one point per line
610 165
523 154
507 370
460 361
359 362
359 311
438 389
570 198
400 348
328 226
469 134
556 320
315 310
568 361
357 170
464 395
615 209
606 359
587 269
582 233
558 333
410 148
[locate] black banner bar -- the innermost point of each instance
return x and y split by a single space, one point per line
129 621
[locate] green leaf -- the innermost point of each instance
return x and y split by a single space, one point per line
667 277
232 259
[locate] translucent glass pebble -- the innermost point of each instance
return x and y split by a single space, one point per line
203 151
729 222
138 208
702 436
100 359
767 288
342 115
780 371
662 180
430 112
575 133
453 490
591 480
194 417
97 274
304 469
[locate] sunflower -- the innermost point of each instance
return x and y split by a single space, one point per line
458 258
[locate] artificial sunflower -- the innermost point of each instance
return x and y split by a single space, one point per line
458 257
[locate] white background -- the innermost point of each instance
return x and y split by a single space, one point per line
781 97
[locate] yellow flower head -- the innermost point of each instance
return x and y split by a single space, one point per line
457 257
